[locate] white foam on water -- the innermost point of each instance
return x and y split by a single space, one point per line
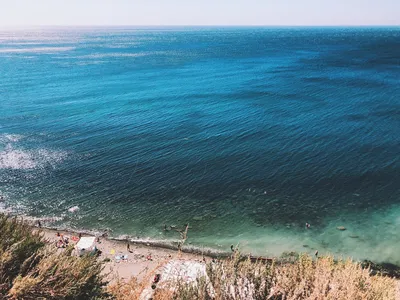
10 138
19 159
36 50
122 45
4 209
73 209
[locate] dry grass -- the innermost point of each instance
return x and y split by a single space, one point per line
18 248
327 279
61 276
31 270
129 290
132 289
305 278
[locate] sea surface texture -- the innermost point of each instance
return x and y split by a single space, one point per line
244 133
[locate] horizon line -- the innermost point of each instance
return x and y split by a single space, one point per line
202 25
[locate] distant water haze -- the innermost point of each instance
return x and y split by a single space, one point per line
244 133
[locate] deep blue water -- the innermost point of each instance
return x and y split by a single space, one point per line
245 133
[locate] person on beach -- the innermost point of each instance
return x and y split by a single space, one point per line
39 224
128 247
232 249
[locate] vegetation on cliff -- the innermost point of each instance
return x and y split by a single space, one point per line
30 268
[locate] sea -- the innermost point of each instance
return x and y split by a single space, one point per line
244 133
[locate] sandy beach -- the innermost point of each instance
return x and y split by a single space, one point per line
142 262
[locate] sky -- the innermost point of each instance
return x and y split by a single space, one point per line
199 12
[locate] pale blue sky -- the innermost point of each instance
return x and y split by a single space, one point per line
199 12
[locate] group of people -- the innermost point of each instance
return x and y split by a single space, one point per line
63 241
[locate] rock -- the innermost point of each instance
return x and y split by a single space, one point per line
198 218
305 246
341 228
288 257
385 269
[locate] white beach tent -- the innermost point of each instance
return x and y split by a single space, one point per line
86 244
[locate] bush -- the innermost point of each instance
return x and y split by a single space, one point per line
302 279
18 248
130 290
31 269
61 276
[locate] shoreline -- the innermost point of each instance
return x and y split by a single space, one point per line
145 260
142 259
171 244
145 268
148 257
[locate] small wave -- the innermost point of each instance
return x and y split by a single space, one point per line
30 219
36 50
122 45
105 55
173 245
4 209
10 138
44 219
17 159
164 244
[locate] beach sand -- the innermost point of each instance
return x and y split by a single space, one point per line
143 261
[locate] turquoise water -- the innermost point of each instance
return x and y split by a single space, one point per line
244 133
